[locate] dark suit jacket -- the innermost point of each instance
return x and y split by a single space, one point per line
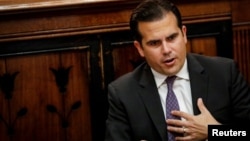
135 111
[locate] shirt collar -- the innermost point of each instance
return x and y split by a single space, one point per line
160 78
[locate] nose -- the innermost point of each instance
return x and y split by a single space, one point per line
165 47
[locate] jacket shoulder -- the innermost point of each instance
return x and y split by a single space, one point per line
211 60
131 77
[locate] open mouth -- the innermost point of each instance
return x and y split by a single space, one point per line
169 60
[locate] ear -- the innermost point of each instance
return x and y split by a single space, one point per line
184 32
139 48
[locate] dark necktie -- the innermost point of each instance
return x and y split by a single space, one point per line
171 103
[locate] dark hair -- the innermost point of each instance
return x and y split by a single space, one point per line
151 10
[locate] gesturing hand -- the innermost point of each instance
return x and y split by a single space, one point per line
194 127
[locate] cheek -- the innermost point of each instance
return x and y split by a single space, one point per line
153 55
181 46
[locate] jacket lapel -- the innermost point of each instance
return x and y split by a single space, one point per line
151 99
197 75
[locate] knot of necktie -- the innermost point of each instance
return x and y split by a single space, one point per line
170 81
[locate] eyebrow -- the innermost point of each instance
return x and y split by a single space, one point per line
170 36
173 35
153 40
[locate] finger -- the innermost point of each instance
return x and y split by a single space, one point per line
182 114
175 122
179 130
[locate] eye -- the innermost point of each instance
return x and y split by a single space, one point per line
171 38
154 43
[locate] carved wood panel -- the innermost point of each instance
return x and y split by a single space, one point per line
46 96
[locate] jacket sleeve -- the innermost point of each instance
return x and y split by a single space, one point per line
240 96
117 126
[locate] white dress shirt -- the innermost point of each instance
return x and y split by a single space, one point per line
181 88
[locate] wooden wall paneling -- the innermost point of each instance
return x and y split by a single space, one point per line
30 90
242 49
4 113
36 88
58 23
78 91
64 20
12 2
44 20
240 10
205 46
120 55
241 37
98 97
195 11
125 57
209 38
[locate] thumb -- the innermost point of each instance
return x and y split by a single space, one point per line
201 105
204 111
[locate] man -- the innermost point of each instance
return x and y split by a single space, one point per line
209 90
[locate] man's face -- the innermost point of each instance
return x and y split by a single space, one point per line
163 44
